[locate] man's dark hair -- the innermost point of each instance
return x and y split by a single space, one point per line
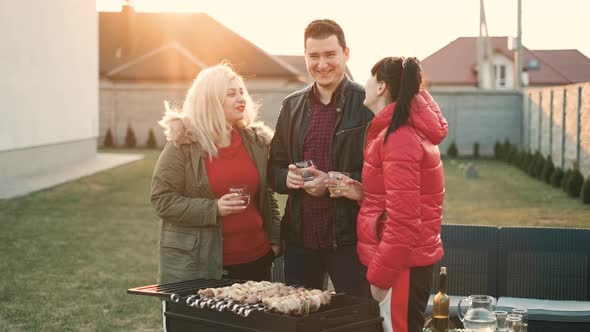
322 29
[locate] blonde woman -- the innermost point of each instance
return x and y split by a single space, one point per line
213 144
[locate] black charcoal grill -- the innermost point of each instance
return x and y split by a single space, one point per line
185 310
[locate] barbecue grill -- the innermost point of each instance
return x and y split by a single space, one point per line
185 310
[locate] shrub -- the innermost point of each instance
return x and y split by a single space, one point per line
506 147
130 140
556 177
585 193
513 155
498 150
108 142
151 141
476 150
574 183
548 169
532 167
519 159
539 165
452 151
526 159
565 179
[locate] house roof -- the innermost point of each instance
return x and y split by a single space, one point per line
298 62
455 64
572 64
176 46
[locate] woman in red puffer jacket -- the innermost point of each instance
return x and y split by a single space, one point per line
398 226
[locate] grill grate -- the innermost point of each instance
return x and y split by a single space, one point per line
182 288
344 313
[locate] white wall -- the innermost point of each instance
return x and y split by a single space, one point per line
49 69
501 60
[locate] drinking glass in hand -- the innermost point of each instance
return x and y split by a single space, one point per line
305 164
242 191
337 183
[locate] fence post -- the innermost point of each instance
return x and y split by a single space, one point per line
530 120
563 130
551 124
579 125
540 118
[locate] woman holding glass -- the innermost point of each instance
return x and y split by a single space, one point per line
402 192
219 219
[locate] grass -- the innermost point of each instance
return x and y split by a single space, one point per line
68 254
503 195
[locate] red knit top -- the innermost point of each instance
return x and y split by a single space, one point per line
244 238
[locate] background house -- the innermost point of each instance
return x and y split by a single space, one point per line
454 67
146 58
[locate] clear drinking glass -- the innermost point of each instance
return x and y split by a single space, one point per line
501 321
305 164
337 183
514 322
242 191
524 313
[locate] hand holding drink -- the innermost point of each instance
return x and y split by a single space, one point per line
242 192
235 201
340 184
301 165
299 174
337 183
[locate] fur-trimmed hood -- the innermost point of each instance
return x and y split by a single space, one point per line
177 129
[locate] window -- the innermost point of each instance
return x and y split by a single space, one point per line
502 76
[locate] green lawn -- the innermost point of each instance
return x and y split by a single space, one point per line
68 254
504 195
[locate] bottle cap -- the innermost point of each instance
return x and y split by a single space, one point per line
443 269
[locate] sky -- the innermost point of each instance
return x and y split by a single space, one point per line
378 28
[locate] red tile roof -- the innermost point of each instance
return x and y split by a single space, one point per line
455 64
572 65
175 46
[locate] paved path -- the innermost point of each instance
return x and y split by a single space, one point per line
23 185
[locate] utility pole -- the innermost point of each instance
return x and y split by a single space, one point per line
518 76
486 76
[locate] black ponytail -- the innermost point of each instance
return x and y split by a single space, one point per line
411 79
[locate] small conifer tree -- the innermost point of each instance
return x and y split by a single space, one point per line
130 140
108 142
151 141
452 151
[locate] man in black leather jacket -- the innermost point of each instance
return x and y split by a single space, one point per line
326 123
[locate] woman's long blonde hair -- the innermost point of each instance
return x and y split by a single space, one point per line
202 110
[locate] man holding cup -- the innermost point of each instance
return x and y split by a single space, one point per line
324 123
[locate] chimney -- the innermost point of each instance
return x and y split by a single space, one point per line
126 26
